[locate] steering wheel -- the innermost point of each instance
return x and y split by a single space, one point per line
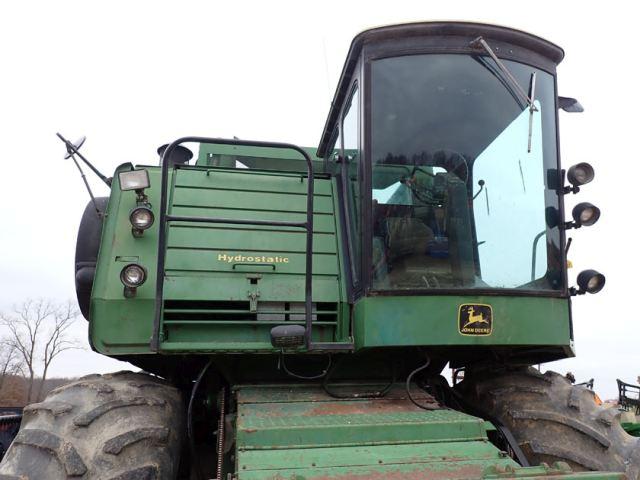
450 160
453 162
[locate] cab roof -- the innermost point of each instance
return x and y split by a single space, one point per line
451 31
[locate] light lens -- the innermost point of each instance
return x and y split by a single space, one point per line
141 218
133 275
585 214
580 174
591 281
287 336
134 180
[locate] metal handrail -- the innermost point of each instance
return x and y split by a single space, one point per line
165 218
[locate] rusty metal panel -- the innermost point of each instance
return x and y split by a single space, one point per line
247 394
300 432
308 417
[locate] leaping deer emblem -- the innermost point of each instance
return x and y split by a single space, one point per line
474 317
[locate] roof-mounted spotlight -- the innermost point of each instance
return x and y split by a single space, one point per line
589 281
584 214
578 175
136 180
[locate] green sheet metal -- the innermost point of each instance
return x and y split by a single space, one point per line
282 159
299 432
213 269
632 428
433 320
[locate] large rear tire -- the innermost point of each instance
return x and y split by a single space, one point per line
553 420
120 426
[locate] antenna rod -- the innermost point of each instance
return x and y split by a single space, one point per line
71 148
86 184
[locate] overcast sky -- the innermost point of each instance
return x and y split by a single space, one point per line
134 75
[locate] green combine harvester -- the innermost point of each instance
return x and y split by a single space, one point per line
293 309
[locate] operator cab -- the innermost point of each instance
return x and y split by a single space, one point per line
444 136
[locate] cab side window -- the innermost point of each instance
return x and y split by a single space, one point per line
351 179
331 164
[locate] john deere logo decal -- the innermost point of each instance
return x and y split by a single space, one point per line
475 319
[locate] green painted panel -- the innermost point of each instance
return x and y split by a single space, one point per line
222 335
444 470
306 416
124 325
470 469
242 240
322 223
631 428
299 432
433 320
239 261
417 453
354 430
283 159
241 180
233 287
121 325
256 201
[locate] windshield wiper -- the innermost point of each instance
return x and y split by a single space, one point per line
532 108
481 43
490 66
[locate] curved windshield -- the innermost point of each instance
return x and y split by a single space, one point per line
460 170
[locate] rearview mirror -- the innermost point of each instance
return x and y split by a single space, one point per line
570 105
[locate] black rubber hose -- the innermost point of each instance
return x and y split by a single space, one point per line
281 363
408 388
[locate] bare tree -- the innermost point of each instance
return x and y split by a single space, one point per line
58 342
38 332
10 361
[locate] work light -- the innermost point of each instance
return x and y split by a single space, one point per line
585 214
580 174
134 180
590 281
287 336
132 276
141 218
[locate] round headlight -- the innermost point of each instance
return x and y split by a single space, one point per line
591 281
141 218
585 214
580 174
133 275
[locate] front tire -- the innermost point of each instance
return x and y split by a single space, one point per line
120 426
553 420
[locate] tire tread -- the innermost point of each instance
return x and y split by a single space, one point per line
121 426
553 420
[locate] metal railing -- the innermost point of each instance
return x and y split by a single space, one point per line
166 218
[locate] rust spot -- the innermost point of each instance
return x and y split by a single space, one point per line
460 471
368 407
